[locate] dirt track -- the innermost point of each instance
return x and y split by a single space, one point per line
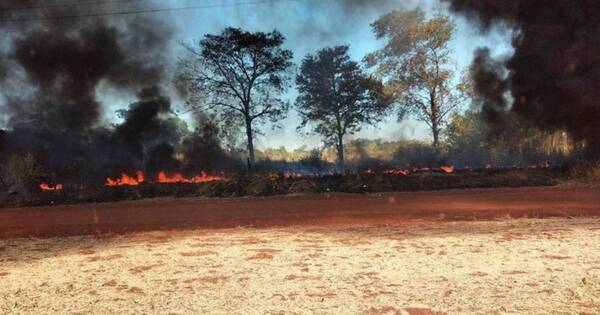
378 209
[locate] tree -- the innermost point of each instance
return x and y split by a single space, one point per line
337 96
415 65
241 76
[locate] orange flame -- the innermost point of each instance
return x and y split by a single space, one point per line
48 187
402 171
126 180
447 169
178 178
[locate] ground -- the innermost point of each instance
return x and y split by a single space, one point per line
294 210
502 266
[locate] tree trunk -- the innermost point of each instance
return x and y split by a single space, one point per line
435 130
340 151
250 146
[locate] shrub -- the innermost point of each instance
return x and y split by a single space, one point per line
586 172
20 172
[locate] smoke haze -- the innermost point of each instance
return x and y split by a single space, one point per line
554 73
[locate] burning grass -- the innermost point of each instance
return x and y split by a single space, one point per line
140 187
524 266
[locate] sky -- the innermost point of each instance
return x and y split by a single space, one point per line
310 25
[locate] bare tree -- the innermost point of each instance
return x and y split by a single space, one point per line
241 76
415 64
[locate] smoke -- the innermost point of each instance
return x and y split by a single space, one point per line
50 74
553 76
490 88
63 61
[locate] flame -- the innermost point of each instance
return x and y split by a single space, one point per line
447 169
397 171
48 187
163 178
126 180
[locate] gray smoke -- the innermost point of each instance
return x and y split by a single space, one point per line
554 73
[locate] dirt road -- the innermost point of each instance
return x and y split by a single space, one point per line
506 266
325 209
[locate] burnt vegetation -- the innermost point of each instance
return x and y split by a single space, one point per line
91 109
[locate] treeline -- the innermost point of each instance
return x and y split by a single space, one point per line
240 78
467 142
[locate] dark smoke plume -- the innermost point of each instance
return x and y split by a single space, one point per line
554 73
50 74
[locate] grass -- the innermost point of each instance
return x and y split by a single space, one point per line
267 185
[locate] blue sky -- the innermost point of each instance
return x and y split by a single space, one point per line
309 25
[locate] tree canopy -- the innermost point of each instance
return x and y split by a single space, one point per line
416 65
240 75
337 97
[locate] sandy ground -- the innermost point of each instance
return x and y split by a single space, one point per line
508 266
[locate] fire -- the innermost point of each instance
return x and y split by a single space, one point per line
126 180
447 169
396 171
48 187
163 178
178 178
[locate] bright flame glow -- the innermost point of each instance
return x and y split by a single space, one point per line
396 171
178 178
126 180
48 187
447 169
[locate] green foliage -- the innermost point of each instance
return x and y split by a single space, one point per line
472 139
336 97
240 75
415 64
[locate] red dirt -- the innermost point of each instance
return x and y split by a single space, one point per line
324 209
